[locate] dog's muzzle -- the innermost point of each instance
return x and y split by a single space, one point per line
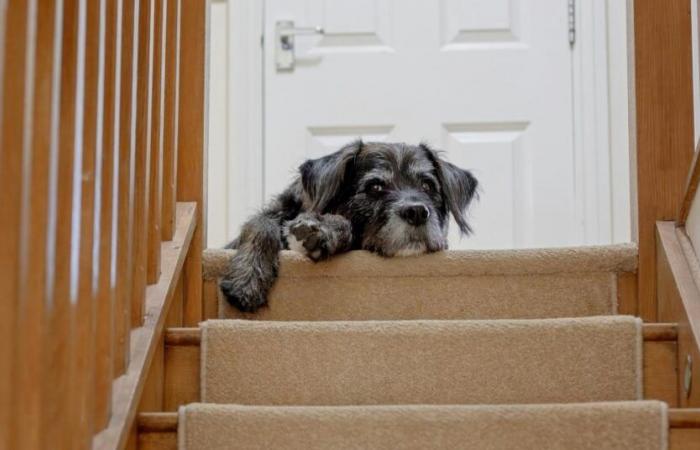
414 214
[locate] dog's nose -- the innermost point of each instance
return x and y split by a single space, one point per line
416 215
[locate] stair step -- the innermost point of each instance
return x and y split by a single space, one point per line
422 362
641 425
158 431
483 284
183 361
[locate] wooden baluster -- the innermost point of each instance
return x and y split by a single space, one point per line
170 125
32 318
192 144
59 410
143 161
105 289
125 93
16 50
89 114
158 101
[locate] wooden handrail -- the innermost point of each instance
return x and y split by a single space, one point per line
679 296
145 340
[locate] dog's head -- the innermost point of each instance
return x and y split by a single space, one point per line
397 196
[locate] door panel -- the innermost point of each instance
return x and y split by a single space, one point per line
480 22
497 153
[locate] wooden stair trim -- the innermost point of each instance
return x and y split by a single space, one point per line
651 332
166 422
158 422
684 417
660 331
183 336
144 341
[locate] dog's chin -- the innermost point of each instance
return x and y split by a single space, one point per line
413 249
399 239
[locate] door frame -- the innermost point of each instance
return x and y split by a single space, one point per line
601 136
601 100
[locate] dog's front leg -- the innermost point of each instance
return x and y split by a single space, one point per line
253 269
318 236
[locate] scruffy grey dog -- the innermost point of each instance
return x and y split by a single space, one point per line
391 199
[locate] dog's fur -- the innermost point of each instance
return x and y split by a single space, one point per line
391 199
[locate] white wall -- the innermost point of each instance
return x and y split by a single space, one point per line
217 176
618 108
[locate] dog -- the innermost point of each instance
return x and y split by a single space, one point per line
392 199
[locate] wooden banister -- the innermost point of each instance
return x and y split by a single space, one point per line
147 338
88 117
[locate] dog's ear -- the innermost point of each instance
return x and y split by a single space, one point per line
458 187
322 178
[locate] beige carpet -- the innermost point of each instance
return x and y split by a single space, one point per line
605 426
421 362
478 284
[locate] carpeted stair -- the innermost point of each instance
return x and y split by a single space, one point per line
527 353
582 426
421 362
477 284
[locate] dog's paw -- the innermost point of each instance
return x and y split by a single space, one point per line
249 280
246 297
309 237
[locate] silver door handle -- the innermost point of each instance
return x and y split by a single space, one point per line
284 42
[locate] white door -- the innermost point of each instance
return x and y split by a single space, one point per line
488 81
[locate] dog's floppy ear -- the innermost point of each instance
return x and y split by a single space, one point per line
322 178
458 186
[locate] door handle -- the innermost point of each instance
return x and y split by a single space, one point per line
284 42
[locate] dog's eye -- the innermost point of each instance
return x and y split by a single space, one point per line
375 188
427 186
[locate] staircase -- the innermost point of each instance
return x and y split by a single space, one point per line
113 335
464 349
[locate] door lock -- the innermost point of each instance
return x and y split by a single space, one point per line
284 42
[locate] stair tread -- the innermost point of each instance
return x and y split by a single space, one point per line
485 284
600 258
611 425
435 362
